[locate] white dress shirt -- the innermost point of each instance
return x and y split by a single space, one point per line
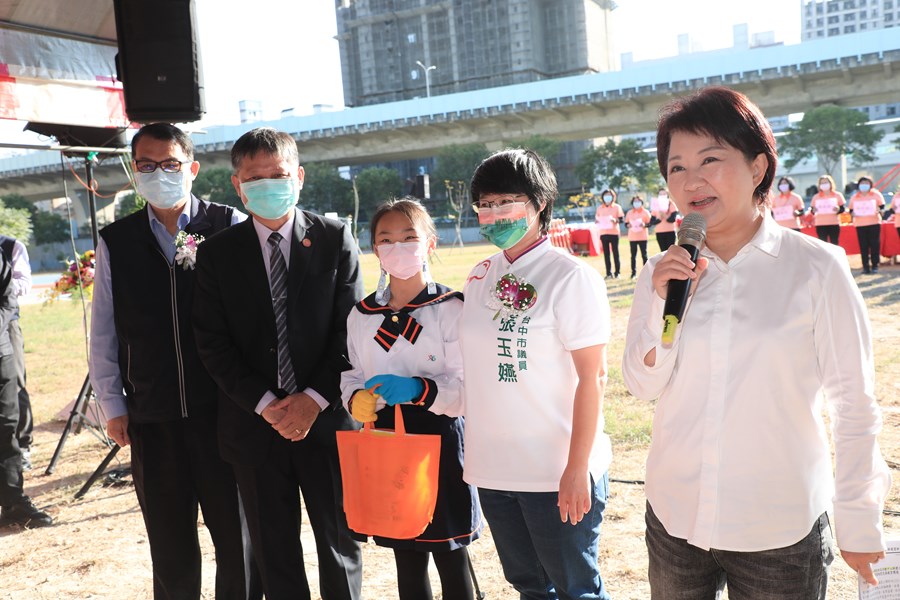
287 234
21 269
739 458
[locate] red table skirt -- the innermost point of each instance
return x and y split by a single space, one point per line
890 241
588 236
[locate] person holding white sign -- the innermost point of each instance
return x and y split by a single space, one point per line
866 205
637 220
787 206
608 216
826 205
664 211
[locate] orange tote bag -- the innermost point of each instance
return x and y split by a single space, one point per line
390 479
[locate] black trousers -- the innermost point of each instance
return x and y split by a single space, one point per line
635 246
829 233
10 454
176 467
272 502
869 246
26 420
665 239
413 582
610 245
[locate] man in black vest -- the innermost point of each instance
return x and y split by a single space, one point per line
15 252
15 506
153 389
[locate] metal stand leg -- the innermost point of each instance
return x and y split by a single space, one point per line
479 595
98 472
75 419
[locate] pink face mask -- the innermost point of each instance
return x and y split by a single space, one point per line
402 259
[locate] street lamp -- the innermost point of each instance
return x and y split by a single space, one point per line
427 77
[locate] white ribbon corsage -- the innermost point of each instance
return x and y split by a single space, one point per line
186 249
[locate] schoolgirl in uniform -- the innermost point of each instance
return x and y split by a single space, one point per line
402 342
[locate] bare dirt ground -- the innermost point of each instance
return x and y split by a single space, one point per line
98 547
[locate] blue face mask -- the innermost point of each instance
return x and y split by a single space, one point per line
637 204
162 190
271 198
607 199
864 187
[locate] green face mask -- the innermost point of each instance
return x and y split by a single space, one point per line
506 234
504 225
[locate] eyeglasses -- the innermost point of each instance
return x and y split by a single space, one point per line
168 166
503 206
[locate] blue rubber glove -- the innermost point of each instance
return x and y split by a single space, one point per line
395 389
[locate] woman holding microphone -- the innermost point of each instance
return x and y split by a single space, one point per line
739 477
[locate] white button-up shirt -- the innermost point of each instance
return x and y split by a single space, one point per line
740 457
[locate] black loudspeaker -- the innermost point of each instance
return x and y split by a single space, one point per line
159 60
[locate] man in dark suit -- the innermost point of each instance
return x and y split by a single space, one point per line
270 315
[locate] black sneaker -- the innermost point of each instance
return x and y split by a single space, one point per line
26 514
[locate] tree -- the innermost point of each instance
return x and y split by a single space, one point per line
618 166
376 185
456 163
15 222
830 132
19 201
215 185
324 190
50 227
544 146
128 204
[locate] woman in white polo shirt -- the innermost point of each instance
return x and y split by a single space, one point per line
533 336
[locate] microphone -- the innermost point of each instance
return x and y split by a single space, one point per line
690 237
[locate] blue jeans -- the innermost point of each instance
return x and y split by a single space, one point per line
542 557
679 571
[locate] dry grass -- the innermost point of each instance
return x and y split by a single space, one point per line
98 548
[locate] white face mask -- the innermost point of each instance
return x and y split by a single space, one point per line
607 198
162 190
825 187
784 188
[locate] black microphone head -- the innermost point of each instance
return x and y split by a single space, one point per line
692 231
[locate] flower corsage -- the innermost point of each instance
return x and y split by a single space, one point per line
186 249
512 296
